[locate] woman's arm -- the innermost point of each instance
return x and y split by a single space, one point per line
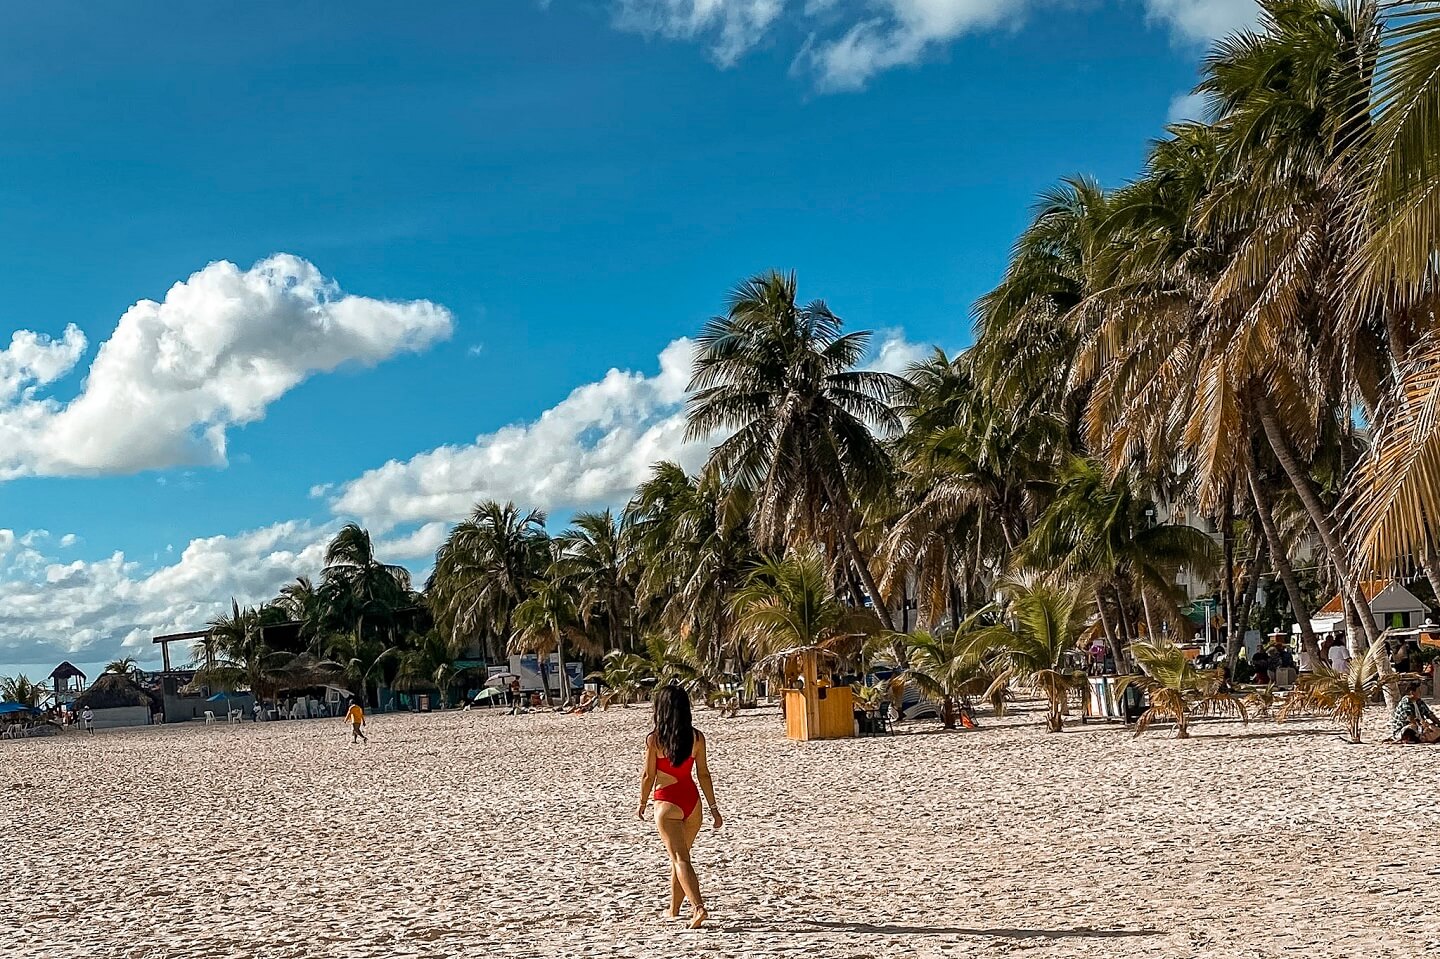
702 773
647 777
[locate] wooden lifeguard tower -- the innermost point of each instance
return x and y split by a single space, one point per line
815 708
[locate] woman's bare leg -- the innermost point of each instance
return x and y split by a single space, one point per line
677 895
678 834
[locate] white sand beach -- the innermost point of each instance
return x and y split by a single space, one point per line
481 834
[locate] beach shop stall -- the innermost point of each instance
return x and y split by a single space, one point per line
815 706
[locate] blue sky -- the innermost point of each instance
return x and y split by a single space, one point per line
508 203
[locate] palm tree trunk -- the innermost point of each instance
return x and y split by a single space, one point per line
1319 516
1260 549
1127 631
839 497
1430 563
564 675
954 597
543 661
1233 643
1384 670
1154 634
1109 630
1281 559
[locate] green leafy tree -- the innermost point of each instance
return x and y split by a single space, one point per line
782 380
1178 691
487 567
1040 622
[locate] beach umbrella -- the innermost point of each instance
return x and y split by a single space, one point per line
7 709
499 679
487 694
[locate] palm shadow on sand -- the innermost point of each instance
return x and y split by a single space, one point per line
893 929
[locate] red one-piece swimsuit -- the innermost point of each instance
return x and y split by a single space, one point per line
682 791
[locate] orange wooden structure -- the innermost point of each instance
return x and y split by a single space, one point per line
815 708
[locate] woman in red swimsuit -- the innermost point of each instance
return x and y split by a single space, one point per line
672 751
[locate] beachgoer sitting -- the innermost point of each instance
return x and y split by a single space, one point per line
586 703
1413 721
1261 663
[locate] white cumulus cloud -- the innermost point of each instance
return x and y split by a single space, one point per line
851 41
93 610
591 448
1200 20
176 374
730 26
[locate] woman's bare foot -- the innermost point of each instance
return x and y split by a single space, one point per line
699 918
672 913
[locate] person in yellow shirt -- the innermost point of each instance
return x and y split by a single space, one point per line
355 716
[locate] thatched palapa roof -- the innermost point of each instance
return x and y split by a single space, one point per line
114 691
67 670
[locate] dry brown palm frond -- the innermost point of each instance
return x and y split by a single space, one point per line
1342 696
1262 701
1397 485
1401 227
1164 704
1221 704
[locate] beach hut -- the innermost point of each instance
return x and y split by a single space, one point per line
1391 605
68 681
815 707
117 700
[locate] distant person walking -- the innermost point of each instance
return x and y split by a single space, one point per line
88 719
255 710
355 716
673 751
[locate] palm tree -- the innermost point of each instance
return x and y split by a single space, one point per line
674 660
687 549
359 590
945 665
1223 316
1395 493
590 560
1040 624
1097 528
363 661
623 675
423 665
543 622
787 605
781 380
1177 690
483 571
1342 695
306 605
972 469
19 689
234 654
125 666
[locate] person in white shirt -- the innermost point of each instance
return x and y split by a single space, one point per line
88 718
1339 657
1307 661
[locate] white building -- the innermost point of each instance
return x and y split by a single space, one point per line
1392 605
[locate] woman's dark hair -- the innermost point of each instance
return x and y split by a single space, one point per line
674 736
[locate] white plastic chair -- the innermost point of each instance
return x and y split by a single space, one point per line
209 717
